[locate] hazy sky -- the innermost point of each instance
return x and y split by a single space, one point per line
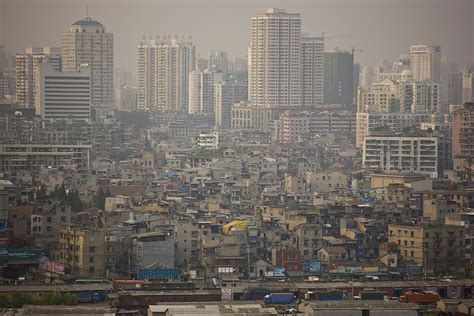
381 28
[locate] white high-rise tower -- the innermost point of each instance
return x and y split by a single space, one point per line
163 71
87 42
275 59
425 62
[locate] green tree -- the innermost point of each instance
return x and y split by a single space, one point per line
75 201
41 193
61 194
17 300
99 199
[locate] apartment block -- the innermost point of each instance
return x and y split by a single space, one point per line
463 131
64 95
81 250
438 249
27 67
396 153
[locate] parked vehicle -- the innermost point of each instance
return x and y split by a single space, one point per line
422 297
335 295
279 298
255 294
372 295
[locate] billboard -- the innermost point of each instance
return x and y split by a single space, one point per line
158 274
55 267
315 266
279 272
371 269
225 270
24 255
3 225
414 269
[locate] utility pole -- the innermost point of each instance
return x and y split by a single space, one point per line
248 261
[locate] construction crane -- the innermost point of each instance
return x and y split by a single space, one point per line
356 50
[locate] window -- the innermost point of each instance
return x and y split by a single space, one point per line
412 234
92 249
91 269
91 259
49 229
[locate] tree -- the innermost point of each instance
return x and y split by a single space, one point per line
99 199
75 201
41 193
61 194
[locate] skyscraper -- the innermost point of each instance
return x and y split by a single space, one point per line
26 68
163 73
275 59
312 66
218 60
63 94
338 77
463 131
455 88
425 62
146 70
467 85
87 42
201 90
3 58
226 95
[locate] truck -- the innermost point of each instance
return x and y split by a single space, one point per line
335 295
255 294
372 295
91 296
422 297
279 298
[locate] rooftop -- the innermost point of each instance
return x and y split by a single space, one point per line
87 21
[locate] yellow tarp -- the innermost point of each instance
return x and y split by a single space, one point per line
237 224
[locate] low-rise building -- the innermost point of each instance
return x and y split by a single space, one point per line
436 248
81 250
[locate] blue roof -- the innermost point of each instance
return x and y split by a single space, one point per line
87 21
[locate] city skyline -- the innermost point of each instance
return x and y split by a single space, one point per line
236 157
426 22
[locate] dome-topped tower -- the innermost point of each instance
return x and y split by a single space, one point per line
406 75
87 21
87 42
87 25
